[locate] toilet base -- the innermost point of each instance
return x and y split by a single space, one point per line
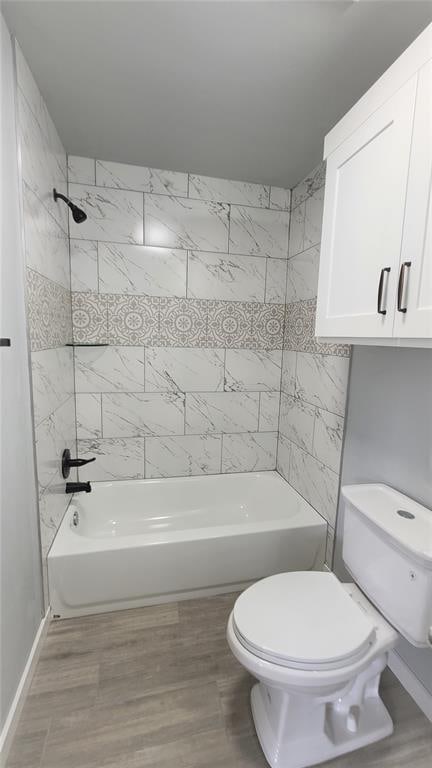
296 731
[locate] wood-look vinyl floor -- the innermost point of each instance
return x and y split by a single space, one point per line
158 687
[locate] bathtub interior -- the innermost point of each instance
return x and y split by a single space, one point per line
131 508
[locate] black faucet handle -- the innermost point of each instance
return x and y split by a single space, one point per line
81 462
67 462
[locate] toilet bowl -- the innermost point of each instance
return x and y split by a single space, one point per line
318 648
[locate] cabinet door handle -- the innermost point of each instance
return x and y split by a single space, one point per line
404 266
380 290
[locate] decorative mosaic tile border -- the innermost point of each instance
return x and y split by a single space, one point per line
300 329
152 321
49 312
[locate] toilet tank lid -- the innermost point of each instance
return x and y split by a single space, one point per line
406 522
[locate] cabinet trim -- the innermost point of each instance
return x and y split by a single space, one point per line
407 65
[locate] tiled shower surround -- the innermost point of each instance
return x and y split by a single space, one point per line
45 223
183 277
204 312
314 376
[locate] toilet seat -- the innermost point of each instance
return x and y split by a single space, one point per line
303 620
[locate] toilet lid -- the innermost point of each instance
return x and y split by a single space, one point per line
302 619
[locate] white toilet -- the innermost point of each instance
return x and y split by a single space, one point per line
318 646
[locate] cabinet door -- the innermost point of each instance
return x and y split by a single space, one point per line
413 317
364 206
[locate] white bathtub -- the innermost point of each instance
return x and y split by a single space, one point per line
151 541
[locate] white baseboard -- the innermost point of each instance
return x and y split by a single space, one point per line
411 683
9 728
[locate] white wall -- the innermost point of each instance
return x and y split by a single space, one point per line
21 585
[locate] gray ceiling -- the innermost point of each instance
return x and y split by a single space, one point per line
243 90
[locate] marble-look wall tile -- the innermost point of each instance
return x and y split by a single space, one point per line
302 279
247 369
43 161
315 482
313 218
141 179
259 232
268 325
183 322
225 277
275 289
322 380
296 421
176 222
289 362
53 503
222 412
133 320
113 215
115 459
249 453
314 374
52 374
88 416
283 456
269 411
127 414
224 191
327 441
297 227
330 542
53 435
109 369
45 224
84 265
137 269
174 369
90 318
183 455
81 170
46 243
280 198
27 83
49 312
313 181
230 324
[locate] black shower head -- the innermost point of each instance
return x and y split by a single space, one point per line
77 213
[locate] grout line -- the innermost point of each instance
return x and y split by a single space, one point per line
101 415
265 281
143 220
97 267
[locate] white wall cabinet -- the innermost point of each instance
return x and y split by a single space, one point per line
413 316
375 279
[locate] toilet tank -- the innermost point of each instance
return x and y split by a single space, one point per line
387 547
